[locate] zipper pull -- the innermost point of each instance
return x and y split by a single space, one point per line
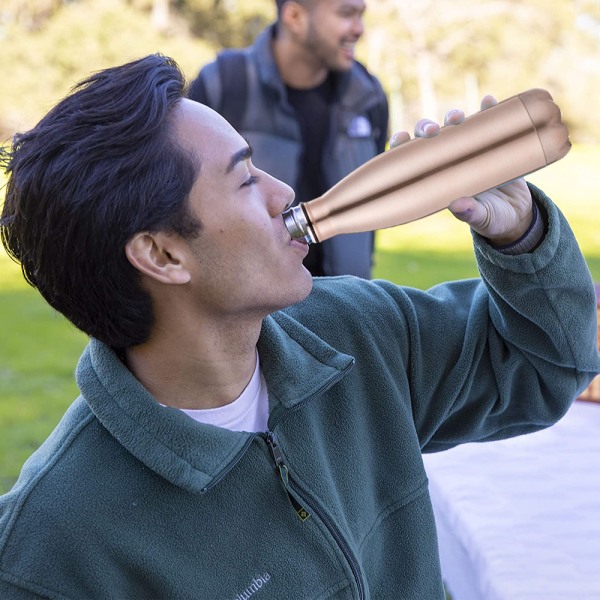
283 473
275 450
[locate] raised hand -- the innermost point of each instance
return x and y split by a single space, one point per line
502 214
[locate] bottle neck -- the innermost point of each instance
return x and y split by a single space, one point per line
298 225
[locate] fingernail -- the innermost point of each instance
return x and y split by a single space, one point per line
462 214
456 115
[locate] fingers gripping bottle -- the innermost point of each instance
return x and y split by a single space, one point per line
513 138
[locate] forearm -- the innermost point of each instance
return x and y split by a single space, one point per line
522 342
543 303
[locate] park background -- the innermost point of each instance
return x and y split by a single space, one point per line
431 55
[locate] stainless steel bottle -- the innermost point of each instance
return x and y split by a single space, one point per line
513 138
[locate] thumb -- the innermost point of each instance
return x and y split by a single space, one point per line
469 210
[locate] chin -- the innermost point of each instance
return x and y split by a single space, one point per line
302 289
305 284
342 66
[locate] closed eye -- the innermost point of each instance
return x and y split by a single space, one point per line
250 181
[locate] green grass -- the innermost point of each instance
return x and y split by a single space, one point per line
39 349
38 353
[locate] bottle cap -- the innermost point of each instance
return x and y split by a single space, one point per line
546 118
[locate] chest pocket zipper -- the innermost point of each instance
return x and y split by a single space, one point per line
302 513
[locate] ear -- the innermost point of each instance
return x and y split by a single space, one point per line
159 256
294 17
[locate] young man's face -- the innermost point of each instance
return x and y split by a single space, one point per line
243 260
333 29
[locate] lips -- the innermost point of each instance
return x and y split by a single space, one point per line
348 48
300 245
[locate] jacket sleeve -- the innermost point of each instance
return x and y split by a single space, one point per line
504 355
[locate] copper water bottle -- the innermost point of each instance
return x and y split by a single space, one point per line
513 138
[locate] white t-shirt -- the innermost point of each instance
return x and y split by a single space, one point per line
249 412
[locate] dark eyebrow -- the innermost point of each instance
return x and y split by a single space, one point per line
239 156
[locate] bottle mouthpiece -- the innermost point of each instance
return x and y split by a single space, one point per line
297 225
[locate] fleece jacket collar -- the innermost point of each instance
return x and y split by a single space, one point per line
297 366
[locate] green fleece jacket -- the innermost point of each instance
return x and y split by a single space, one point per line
128 499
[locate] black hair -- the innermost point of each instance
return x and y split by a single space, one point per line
102 165
279 4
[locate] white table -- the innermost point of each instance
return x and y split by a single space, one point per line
519 519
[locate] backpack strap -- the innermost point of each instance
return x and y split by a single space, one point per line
232 72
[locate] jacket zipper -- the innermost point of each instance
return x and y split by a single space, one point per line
241 453
304 513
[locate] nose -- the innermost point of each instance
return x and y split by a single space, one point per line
280 196
358 26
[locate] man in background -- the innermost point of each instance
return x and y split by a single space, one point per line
311 112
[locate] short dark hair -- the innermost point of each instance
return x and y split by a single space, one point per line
102 165
280 3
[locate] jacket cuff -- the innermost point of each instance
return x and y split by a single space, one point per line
531 239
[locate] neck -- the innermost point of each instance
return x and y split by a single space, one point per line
196 367
297 67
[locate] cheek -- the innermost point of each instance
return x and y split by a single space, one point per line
255 221
247 243
244 228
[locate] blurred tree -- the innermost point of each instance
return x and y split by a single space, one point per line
440 54
431 55
161 15
30 15
40 65
228 23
